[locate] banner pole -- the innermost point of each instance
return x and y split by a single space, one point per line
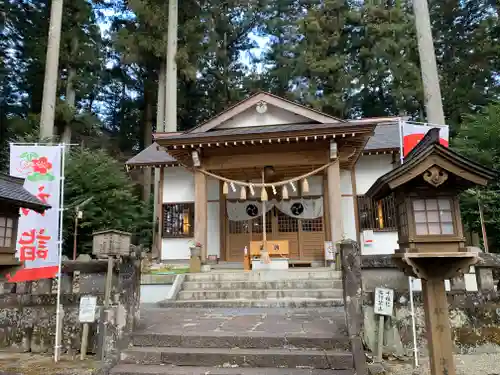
59 312
410 279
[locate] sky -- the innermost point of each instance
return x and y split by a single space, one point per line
245 57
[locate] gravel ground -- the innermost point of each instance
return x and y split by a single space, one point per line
466 364
35 364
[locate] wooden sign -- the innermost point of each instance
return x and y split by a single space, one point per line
274 248
384 301
330 250
87 310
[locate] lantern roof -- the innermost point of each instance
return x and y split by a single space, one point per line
434 165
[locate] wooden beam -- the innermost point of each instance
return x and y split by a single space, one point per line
200 211
222 227
356 206
437 324
335 201
274 159
326 208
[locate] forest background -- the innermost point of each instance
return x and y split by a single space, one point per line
348 58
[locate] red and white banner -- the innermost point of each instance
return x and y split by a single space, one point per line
412 134
38 235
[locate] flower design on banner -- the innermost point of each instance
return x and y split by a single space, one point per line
37 168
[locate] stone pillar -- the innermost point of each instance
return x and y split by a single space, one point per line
458 283
485 281
335 202
353 301
200 212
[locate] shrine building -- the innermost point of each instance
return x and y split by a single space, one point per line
316 168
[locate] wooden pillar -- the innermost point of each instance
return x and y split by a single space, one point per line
335 202
222 217
438 329
200 211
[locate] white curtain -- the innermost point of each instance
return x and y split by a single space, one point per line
247 210
302 208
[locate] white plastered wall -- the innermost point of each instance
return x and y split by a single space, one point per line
178 187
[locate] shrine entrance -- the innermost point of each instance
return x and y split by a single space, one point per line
305 236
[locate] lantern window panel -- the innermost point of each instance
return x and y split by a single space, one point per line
433 216
178 220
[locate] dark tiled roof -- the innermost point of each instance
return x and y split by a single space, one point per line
150 156
256 130
386 137
12 190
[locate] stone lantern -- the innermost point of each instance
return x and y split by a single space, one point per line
431 238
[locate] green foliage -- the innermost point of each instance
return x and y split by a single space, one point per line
115 204
479 139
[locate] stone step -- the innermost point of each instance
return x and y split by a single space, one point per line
258 294
131 369
285 284
235 303
222 357
334 341
267 275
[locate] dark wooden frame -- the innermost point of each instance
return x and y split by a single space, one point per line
182 206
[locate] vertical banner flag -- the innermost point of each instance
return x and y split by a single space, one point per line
37 244
412 134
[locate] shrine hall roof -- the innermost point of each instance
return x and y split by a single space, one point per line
386 137
12 191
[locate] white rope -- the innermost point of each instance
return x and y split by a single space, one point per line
280 183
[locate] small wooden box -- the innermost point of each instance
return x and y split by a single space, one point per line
274 248
111 242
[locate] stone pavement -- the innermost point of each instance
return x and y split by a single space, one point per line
325 322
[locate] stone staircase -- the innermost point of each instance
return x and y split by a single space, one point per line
179 341
312 287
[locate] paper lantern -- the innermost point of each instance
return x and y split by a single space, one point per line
225 188
243 194
233 187
252 191
305 186
293 186
263 194
284 193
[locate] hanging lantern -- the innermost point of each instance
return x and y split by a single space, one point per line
305 186
252 191
274 189
225 188
233 187
243 193
284 192
263 194
293 186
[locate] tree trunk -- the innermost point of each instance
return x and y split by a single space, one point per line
70 90
51 71
148 138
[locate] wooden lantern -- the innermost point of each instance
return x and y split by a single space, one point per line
426 189
111 243
431 239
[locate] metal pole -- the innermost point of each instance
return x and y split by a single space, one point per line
430 76
410 279
75 233
59 308
51 71
483 227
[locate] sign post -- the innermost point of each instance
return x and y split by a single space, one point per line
86 315
383 306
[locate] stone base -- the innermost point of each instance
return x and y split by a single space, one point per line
276 264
